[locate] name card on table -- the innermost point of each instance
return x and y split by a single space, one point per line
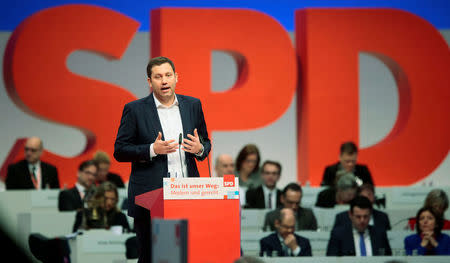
226 187
103 241
44 198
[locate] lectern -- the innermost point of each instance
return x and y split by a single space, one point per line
211 206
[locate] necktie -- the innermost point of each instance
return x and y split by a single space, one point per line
362 245
33 171
270 201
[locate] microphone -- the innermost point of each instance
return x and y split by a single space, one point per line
207 156
180 140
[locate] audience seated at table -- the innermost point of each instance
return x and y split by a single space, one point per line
266 195
359 239
104 174
102 211
247 167
72 199
378 219
342 193
438 199
429 240
284 242
31 172
347 163
291 197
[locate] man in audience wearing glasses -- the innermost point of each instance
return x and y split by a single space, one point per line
31 172
284 242
291 198
267 195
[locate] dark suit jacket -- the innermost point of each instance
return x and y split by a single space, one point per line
255 198
139 128
326 198
115 179
380 220
341 242
361 171
305 220
272 243
19 177
69 200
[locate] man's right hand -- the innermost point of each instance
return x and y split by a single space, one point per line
291 242
164 147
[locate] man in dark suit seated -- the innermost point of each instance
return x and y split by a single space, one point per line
284 242
347 163
359 239
31 172
378 219
266 195
103 175
72 199
291 198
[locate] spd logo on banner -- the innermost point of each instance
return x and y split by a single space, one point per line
228 180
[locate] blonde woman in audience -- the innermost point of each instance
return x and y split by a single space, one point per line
104 162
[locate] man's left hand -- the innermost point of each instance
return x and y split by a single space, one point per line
192 145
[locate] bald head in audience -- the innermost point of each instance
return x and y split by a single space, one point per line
33 149
224 165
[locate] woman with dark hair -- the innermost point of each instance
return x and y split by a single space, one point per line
429 240
247 167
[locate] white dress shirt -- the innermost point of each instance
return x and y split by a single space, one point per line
367 243
273 199
172 127
37 173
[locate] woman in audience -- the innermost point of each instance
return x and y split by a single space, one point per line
438 200
101 210
429 240
247 167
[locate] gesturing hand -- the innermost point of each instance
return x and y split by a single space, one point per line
192 145
164 147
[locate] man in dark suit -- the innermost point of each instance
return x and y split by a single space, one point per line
291 198
378 219
266 195
72 199
344 191
359 239
32 173
347 163
284 242
148 137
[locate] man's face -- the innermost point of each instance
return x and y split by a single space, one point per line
347 195
286 226
360 218
270 175
292 199
33 150
110 200
87 177
348 161
163 81
225 165
103 169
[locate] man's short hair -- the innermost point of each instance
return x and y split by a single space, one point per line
349 148
361 202
85 164
158 61
366 186
277 164
346 181
293 187
101 157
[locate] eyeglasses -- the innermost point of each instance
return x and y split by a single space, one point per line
287 227
28 149
271 173
89 173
